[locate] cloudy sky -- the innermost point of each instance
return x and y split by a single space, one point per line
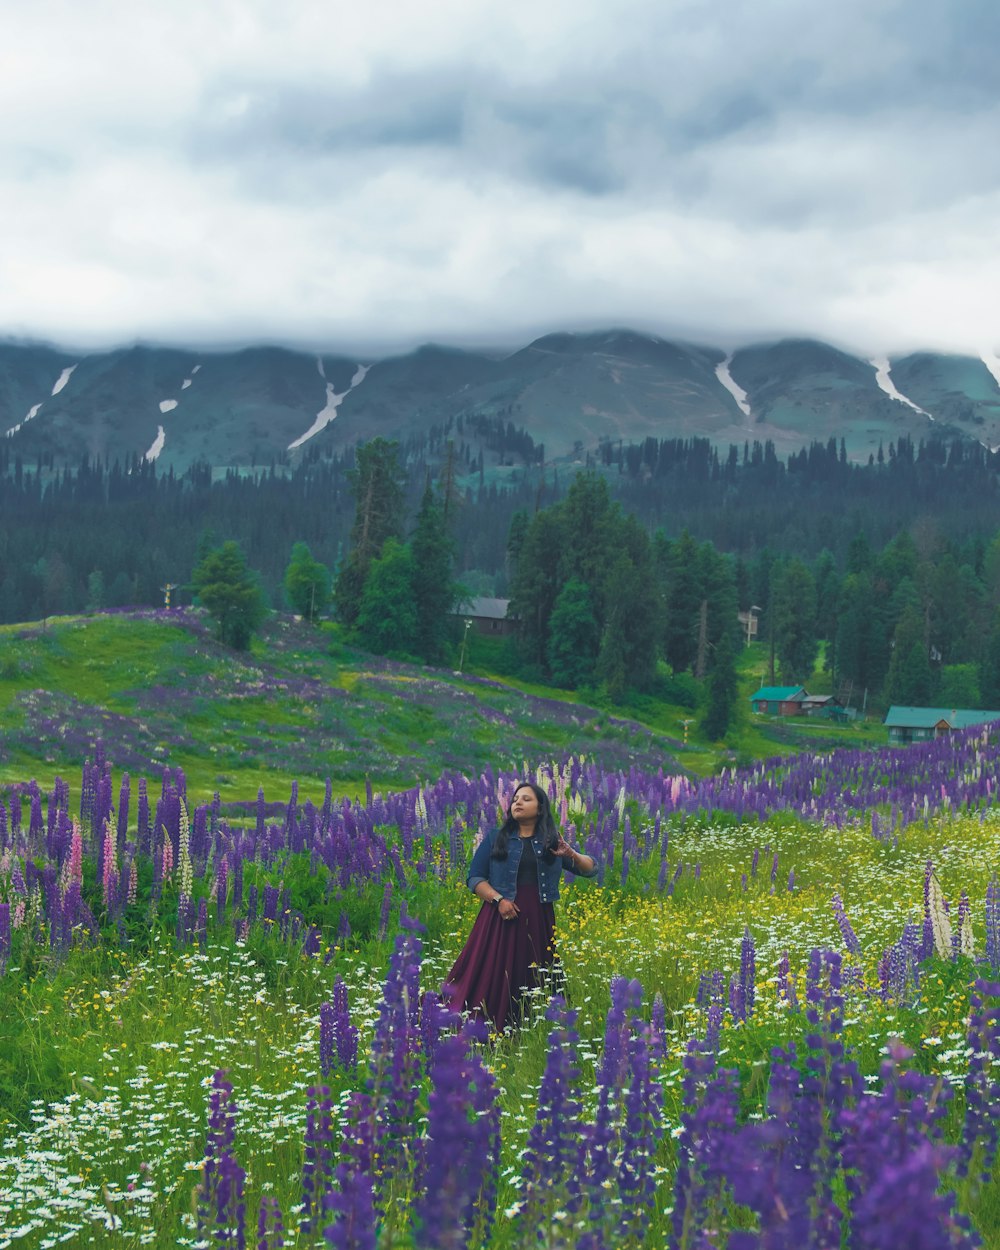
373 175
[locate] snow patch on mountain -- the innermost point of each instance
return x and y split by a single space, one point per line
732 386
158 443
62 379
168 405
185 384
333 401
32 412
885 383
992 362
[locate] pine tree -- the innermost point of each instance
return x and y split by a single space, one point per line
307 583
573 636
722 690
793 621
231 593
387 614
377 482
434 592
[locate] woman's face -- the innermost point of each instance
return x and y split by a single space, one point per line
524 805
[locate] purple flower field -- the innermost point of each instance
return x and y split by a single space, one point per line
776 1020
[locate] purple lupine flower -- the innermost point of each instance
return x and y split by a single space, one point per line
272 897
737 1001
708 1123
230 1209
927 941
551 1147
847 932
462 1150
337 1036
755 861
786 982
123 802
221 1208
993 924
893 1158
5 937
641 1131
396 1062
317 1165
981 1125
383 916
625 998
791 880
350 1206
270 1229
748 972
349 1202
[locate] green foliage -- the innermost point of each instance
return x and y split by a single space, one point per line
387 617
307 583
573 636
587 539
793 621
959 686
377 482
433 588
231 592
722 690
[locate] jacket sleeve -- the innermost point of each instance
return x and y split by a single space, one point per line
568 867
479 869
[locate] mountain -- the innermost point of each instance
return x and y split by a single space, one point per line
570 392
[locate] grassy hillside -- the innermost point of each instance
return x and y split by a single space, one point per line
156 689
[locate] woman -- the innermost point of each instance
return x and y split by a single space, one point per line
515 871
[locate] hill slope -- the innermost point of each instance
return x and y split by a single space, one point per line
571 392
155 690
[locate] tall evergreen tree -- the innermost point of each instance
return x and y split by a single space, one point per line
722 690
574 638
793 623
434 591
387 614
307 583
231 592
377 482
684 594
909 677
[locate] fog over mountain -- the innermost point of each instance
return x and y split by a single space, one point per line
365 180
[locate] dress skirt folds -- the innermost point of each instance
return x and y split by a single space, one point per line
503 958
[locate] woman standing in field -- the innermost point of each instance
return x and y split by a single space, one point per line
515 871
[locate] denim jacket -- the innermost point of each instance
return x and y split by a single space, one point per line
502 873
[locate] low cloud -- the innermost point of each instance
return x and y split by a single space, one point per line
480 172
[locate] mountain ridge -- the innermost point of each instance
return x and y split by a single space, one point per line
570 391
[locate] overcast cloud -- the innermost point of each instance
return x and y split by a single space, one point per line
371 176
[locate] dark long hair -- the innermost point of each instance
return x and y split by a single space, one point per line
545 826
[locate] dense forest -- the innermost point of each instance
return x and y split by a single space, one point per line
894 564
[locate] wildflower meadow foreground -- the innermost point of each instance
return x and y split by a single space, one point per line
774 1020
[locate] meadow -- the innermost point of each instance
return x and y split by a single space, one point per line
774 1020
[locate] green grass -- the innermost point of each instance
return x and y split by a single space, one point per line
301 705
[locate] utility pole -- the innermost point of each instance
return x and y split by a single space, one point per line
461 654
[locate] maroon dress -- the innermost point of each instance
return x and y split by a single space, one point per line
503 958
